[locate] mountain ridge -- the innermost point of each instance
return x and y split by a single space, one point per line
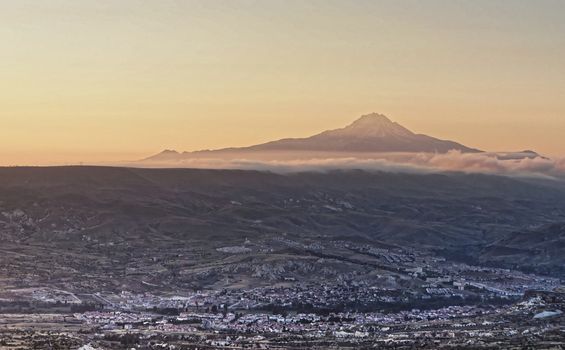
372 132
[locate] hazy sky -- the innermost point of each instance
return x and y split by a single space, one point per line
85 80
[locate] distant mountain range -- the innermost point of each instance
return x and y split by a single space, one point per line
372 133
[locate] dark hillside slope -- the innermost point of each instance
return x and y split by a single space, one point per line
126 216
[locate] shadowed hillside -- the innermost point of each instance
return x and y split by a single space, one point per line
178 221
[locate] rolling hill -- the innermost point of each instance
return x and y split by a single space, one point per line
104 227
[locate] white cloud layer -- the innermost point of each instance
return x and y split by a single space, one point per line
486 163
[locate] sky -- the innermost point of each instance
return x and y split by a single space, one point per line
90 81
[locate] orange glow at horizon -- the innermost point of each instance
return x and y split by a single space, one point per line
95 81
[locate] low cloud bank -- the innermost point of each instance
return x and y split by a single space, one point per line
489 163
409 162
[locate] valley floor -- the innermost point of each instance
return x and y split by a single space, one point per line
535 322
